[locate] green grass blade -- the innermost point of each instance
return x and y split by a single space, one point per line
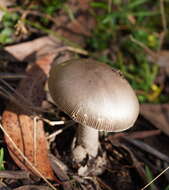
136 4
150 177
99 5
145 13
2 159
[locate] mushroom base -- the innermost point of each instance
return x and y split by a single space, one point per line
87 143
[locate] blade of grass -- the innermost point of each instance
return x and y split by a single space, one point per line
149 176
2 159
136 4
99 5
145 13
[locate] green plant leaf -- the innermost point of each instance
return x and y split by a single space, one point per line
2 159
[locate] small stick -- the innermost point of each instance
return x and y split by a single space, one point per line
14 174
163 17
53 135
136 135
147 148
64 48
146 49
12 76
155 178
53 123
144 134
164 24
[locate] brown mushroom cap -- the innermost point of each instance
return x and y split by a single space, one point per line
93 94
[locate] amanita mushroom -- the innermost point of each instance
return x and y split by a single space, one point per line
95 96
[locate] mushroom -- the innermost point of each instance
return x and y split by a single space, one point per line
97 97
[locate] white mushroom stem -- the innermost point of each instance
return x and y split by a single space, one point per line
87 142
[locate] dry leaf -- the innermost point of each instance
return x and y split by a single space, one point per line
158 115
21 126
23 50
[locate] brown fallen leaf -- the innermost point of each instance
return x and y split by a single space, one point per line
23 50
22 126
157 114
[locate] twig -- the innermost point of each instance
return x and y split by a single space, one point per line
147 148
25 158
14 174
53 135
65 48
12 76
77 50
155 178
143 134
35 13
164 24
163 17
136 135
165 165
54 123
146 49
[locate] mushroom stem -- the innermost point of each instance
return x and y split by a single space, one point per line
87 142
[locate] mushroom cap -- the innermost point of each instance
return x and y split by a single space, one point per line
93 94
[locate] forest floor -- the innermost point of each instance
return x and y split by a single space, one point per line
36 136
